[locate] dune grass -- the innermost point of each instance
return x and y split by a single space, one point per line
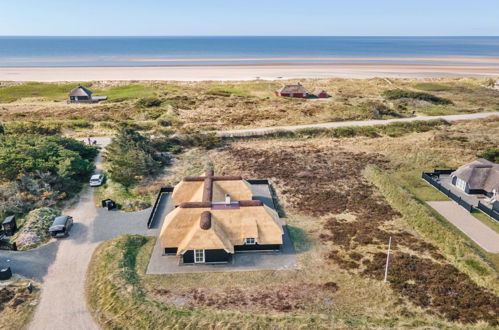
116 284
242 104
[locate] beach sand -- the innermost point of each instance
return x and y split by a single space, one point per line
249 72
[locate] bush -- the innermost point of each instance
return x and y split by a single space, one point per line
491 154
396 94
148 102
132 157
32 127
35 230
41 170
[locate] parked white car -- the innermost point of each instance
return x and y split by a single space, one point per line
96 180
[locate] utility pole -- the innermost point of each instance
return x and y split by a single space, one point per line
388 258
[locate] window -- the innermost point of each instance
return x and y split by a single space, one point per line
249 241
461 184
198 256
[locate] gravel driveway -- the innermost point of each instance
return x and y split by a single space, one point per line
61 265
481 234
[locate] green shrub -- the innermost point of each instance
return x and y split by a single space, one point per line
491 154
396 94
33 127
148 102
132 157
41 170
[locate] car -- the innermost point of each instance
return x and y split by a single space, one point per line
60 226
96 180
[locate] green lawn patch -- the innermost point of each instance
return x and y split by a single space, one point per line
51 92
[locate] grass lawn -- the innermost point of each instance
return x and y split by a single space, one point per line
17 305
486 220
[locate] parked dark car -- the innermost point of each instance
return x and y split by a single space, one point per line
61 226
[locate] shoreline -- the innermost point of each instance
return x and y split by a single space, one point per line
273 60
231 72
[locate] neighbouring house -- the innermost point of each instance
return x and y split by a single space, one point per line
81 94
214 217
293 91
478 177
320 93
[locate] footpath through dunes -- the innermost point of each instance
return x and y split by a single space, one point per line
270 130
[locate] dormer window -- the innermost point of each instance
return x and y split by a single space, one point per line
249 241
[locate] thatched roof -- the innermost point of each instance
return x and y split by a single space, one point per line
210 188
293 89
207 219
80 91
480 174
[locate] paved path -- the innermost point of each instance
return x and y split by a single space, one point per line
269 130
481 234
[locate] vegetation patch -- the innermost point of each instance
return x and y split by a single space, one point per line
397 94
285 298
35 228
40 171
321 181
131 157
17 304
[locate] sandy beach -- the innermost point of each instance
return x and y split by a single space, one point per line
273 71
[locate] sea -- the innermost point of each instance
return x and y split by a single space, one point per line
154 51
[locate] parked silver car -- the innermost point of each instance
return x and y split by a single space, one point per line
96 180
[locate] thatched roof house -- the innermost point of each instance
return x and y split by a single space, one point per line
216 216
293 91
478 177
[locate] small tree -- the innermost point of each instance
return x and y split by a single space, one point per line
132 157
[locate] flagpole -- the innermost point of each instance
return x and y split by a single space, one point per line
387 259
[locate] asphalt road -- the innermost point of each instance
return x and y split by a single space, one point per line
270 130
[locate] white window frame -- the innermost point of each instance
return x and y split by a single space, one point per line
199 256
250 241
461 184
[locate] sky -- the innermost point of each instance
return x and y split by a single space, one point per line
249 17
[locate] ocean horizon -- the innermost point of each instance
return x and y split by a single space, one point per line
205 50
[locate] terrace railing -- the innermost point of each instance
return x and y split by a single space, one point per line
490 212
156 204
